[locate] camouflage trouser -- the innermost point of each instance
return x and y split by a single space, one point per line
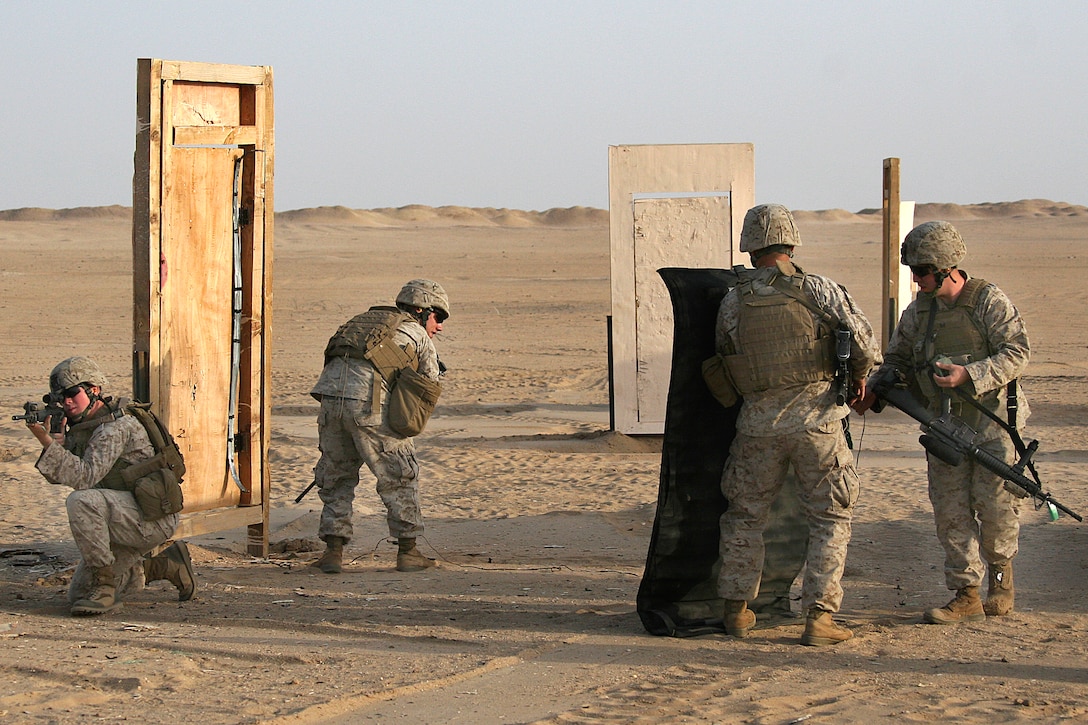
977 519
828 489
110 531
345 447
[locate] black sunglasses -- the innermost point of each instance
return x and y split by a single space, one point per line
72 391
439 315
922 270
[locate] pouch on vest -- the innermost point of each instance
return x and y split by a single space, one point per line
412 399
387 357
719 381
158 494
156 482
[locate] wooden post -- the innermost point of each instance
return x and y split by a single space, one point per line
890 282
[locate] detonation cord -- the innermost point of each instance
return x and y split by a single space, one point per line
857 452
236 328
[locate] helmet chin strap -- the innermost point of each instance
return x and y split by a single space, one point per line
92 398
939 277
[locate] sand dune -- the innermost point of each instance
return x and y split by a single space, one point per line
418 215
37 214
575 216
954 212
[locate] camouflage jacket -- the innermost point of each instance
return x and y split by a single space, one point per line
803 407
350 377
123 439
1007 338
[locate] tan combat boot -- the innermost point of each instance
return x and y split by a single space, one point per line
102 598
1000 596
821 630
332 561
409 557
738 618
965 607
175 566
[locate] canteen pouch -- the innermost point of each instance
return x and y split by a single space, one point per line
411 402
158 494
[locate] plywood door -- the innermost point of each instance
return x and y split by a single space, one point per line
195 320
202 251
694 230
684 195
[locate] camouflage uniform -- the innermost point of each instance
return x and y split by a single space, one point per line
106 524
351 434
799 425
974 513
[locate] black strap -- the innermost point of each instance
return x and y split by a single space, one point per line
928 353
1011 403
1009 427
927 339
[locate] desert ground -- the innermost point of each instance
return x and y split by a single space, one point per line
540 516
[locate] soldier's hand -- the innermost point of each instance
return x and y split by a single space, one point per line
40 432
954 376
864 401
860 389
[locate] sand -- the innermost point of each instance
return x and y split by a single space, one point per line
539 515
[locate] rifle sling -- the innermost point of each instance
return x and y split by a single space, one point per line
1009 428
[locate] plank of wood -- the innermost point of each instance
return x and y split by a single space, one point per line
206 522
214 72
215 135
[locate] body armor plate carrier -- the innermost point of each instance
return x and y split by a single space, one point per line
783 345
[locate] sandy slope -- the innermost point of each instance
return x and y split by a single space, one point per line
540 516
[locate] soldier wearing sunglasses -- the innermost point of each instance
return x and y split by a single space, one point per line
362 359
962 347
97 441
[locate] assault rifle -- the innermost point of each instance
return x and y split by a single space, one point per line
950 439
49 408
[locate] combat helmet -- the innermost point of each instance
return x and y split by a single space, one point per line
768 225
73 371
427 295
937 244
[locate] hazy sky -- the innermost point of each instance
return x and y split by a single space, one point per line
514 104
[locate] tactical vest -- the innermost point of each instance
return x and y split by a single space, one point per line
79 435
369 336
122 476
956 333
782 345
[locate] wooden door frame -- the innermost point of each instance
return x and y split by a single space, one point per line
250 128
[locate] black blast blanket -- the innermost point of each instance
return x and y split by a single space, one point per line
678 592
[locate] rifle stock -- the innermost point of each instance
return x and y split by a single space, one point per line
298 499
950 440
